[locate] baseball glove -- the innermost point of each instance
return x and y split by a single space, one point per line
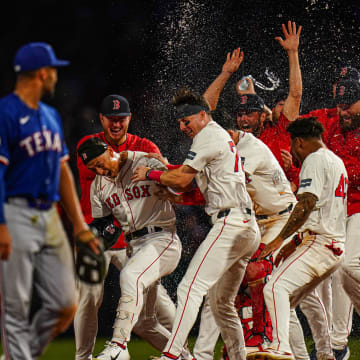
90 267
105 229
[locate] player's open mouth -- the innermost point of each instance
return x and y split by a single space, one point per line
245 127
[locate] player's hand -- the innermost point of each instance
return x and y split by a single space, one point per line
5 242
234 135
139 174
291 42
86 236
269 248
157 157
284 253
286 158
293 187
233 61
249 90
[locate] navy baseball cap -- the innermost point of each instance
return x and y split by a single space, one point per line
115 105
36 55
347 92
346 72
251 102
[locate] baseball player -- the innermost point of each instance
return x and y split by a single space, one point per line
319 218
115 117
343 139
149 224
338 307
219 264
34 175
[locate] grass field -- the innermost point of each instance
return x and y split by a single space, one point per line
64 349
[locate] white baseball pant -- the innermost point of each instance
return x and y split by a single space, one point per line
294 279
219 265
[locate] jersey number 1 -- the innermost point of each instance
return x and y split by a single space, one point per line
232 147
341 188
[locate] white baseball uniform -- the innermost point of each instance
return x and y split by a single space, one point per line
220 261
155 251
271 194
322 174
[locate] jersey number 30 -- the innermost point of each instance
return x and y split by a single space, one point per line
342 187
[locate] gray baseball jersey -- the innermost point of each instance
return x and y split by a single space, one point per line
133 204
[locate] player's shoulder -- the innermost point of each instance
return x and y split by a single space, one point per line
50 110
99 135
136 156
213 131
137 143
10 107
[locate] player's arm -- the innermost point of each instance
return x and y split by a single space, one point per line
231 65
291 45
178 179
298 217
5 239
70 202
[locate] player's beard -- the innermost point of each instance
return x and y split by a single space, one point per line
350 123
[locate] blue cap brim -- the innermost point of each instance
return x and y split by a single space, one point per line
60 63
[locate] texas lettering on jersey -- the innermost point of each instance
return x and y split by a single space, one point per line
135 192
41 141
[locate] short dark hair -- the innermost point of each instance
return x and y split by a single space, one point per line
305 128
187 96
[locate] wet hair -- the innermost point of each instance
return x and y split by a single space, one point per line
186 96
305 128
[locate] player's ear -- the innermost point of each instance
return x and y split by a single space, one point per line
262 117
42 74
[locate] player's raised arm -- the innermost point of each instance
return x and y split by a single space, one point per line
231 65
290 44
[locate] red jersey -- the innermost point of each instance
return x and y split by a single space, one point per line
346 145
327 117
86 176
277 138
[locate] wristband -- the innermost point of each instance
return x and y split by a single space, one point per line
296 240
153 175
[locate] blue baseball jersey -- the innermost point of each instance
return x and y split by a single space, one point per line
31 149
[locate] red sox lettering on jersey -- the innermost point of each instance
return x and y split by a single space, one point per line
132 204
136 192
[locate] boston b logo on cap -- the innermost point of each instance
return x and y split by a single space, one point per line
115 105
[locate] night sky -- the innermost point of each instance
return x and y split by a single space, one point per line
145 50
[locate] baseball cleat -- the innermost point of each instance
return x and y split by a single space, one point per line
343 354
269 354
113 351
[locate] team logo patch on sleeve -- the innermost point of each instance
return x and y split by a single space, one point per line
305 182
191 155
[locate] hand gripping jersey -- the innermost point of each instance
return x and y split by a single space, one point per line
219 178
133 204
324 175
31 144
265 179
